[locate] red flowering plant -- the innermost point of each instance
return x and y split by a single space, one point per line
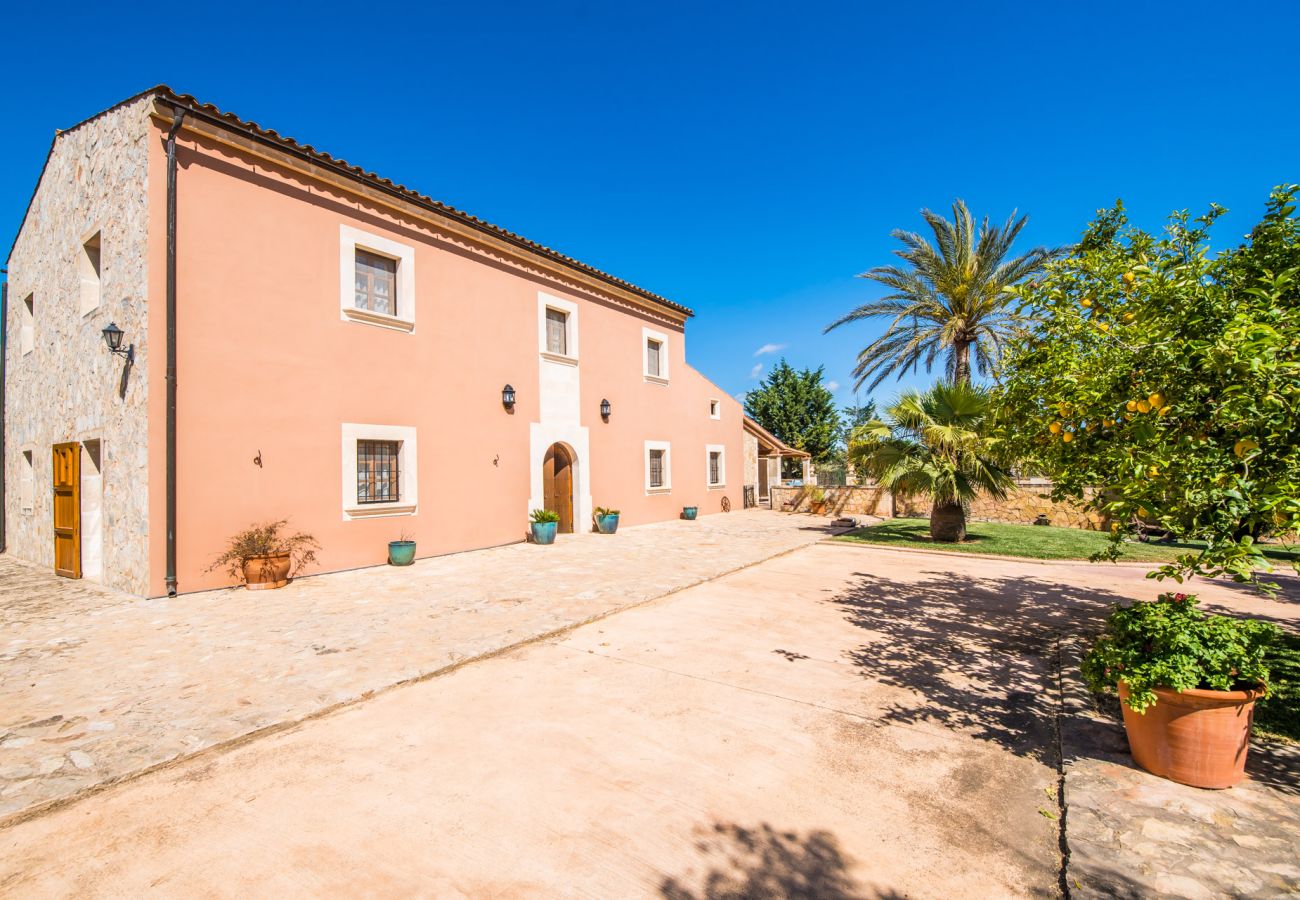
1169 643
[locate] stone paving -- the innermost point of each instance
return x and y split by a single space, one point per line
96 686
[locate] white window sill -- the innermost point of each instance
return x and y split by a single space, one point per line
717 487
655 379
383 320
376 510
658 490
562 358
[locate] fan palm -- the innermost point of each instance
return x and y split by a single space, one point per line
934 444
950 299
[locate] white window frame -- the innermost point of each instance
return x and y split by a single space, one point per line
647 335
91 276
408 484
721 450
667 448
27 480
570 310
715 408
27 325
350 241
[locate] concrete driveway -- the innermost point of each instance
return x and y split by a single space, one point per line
837 722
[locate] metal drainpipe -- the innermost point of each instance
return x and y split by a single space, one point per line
171 353
4 444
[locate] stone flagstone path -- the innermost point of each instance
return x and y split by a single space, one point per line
96 686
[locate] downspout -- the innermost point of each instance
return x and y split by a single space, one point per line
170 579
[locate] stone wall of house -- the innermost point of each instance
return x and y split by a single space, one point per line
853 500
1024 503
751 459
69 387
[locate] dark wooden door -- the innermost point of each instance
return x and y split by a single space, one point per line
67 510
557 485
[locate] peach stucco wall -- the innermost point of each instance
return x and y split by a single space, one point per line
267 368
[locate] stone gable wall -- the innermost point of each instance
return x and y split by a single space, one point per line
70 388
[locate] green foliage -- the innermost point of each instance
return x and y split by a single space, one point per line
1170 382
934 444
544 515
1278 714
854 417
948 300
797 408
604 511
1169 643
267 539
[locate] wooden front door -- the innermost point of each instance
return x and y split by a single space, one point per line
557 485
67 510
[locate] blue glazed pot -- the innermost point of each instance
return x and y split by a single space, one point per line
690 512
606 524
401 553
544 532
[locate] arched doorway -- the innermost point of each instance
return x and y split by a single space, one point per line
557 484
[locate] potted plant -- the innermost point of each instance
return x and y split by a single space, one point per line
690 512
545 523
606 520
816 501
401 552
1187 685
266 556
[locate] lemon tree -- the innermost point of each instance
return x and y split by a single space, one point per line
1160 383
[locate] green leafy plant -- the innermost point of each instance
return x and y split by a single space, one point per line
816 496
267 539
1169 643
1160 384
798 408
605 511
540 516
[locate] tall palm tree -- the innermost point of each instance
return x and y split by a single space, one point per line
950 299
934 444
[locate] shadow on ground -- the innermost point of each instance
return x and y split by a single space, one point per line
981 652
761 863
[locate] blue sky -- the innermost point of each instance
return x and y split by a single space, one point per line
744 159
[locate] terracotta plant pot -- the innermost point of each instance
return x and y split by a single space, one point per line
266 572
1197 738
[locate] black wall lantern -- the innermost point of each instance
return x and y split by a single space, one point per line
508 397
113 337
604 410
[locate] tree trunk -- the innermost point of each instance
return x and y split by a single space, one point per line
948 523
961 355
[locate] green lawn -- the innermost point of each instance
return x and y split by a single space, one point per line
1278 714
1033 541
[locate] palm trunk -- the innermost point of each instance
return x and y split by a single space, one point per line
948 523
961 355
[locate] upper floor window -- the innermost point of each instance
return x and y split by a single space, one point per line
88 270
376 289
557 331
715 409
654 355
376 280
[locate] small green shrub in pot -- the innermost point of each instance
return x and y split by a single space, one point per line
606 520
545 522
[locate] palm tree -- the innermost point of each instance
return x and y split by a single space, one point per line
934 444
949 300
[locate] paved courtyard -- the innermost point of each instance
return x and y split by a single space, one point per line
96 686
840 721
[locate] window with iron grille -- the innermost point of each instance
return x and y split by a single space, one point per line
377 472
376 283
652 350
656 468
715 467
557 332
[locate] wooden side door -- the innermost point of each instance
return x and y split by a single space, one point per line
557 486
67 510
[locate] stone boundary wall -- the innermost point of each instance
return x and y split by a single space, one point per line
1023 504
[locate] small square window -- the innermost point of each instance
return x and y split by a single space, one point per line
557 331
376 288
715 409
378 475
88 266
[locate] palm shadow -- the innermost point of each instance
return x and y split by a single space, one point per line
762 863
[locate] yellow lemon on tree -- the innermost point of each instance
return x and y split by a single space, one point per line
1131 406
1108 422
1163 410
1129 278
1085 302
1157 400
1129 317
1243 447
1143 406
1054 428
1104 326
1153 471
1142 512
1067 437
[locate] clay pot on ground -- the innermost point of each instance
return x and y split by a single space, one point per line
266 572
1198 738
